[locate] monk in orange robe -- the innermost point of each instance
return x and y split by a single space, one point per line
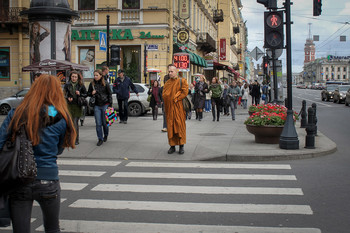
175 113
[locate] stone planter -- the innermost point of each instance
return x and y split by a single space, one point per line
268 134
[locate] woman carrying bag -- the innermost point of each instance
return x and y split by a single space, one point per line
216 90
75 94
45 117
156 98
101 92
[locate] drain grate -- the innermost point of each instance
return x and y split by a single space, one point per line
211 134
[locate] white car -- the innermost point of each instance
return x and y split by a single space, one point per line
137 105
12 102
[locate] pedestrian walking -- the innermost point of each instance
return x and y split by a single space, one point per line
207 105
245 91
156 99
256 93
101 91
216 90
121 88
234 92
73 90
48 125
166 77
201 89
173 94
105 74
225 100
190 94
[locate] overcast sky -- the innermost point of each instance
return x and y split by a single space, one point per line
333 22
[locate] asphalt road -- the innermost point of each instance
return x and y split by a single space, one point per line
305 196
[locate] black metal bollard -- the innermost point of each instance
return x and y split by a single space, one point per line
315 120
303 114
310 130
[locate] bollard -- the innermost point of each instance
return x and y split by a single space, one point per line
303 114
315 120
310 130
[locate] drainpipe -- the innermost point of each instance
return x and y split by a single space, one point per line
171 23
20 52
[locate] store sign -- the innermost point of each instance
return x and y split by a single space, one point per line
183 36
114 34
222 55
331 57
182 61
152 47
184 9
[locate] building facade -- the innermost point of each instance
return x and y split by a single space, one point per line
148 33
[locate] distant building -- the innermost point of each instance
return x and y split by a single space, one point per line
309 51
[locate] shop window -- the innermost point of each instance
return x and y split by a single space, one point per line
131 4
4 64
86 5
87 58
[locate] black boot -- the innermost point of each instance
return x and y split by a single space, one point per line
171 150
181 149
218 115
156 112
213 112
197 115
200 116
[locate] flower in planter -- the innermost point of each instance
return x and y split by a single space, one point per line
268 114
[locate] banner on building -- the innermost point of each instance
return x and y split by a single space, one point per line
222 49
184 9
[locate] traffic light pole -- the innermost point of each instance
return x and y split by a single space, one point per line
275 87
107 42
289 137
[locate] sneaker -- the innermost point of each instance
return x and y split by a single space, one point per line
125 122
164 130
77 143
99 143
105 138
121 122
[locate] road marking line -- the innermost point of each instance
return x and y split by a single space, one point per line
135 227
327 105
73 186
209 165
81 173
193 207
10 227
37 204
202 176
196 189
82 162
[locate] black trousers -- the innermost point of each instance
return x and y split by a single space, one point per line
123 109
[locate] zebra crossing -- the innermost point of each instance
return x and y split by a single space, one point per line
127 196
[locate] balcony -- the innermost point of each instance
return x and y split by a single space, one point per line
11 15
86 17
233 41
218 16
205 42
236 29
130 16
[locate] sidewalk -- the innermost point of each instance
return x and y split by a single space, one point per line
226 140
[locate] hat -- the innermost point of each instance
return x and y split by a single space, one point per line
120 71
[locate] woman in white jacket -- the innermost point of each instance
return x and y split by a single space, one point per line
245 94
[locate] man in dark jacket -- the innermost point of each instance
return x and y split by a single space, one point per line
121 89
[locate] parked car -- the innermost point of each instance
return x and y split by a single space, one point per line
340 93
12 102
327 93
138 105
347 98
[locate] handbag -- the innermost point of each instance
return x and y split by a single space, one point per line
17 163
82 101
186 102
92 100
149 98
111 116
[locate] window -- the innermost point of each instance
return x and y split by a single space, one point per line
338 76
4 64
86 5
131 4
327 76
344 69
327 69
338 69
332 69
344 76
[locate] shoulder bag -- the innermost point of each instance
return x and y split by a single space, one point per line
92 100
186 102
17 163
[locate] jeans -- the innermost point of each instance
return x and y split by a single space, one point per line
233 105
47 194
100 120
123 109
207 105
216 103
244 102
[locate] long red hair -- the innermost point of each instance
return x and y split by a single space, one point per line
45 91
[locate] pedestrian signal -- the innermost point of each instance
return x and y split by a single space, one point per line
317 7
115 55
273 24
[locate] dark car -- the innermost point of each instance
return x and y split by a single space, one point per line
347 98
340 93
12 102
327 93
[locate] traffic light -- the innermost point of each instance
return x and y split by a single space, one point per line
317 7
115 55
269 4
273 24
265 64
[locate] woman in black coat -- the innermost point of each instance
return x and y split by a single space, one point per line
201 89
156 98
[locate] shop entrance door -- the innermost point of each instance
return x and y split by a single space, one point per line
4 10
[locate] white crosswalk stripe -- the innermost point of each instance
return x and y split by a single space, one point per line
202 176
198 188
122 227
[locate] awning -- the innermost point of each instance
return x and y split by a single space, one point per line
195 58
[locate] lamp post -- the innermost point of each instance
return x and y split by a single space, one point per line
289 137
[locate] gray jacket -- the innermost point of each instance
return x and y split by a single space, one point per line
234 92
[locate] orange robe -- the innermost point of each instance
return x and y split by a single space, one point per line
175 113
